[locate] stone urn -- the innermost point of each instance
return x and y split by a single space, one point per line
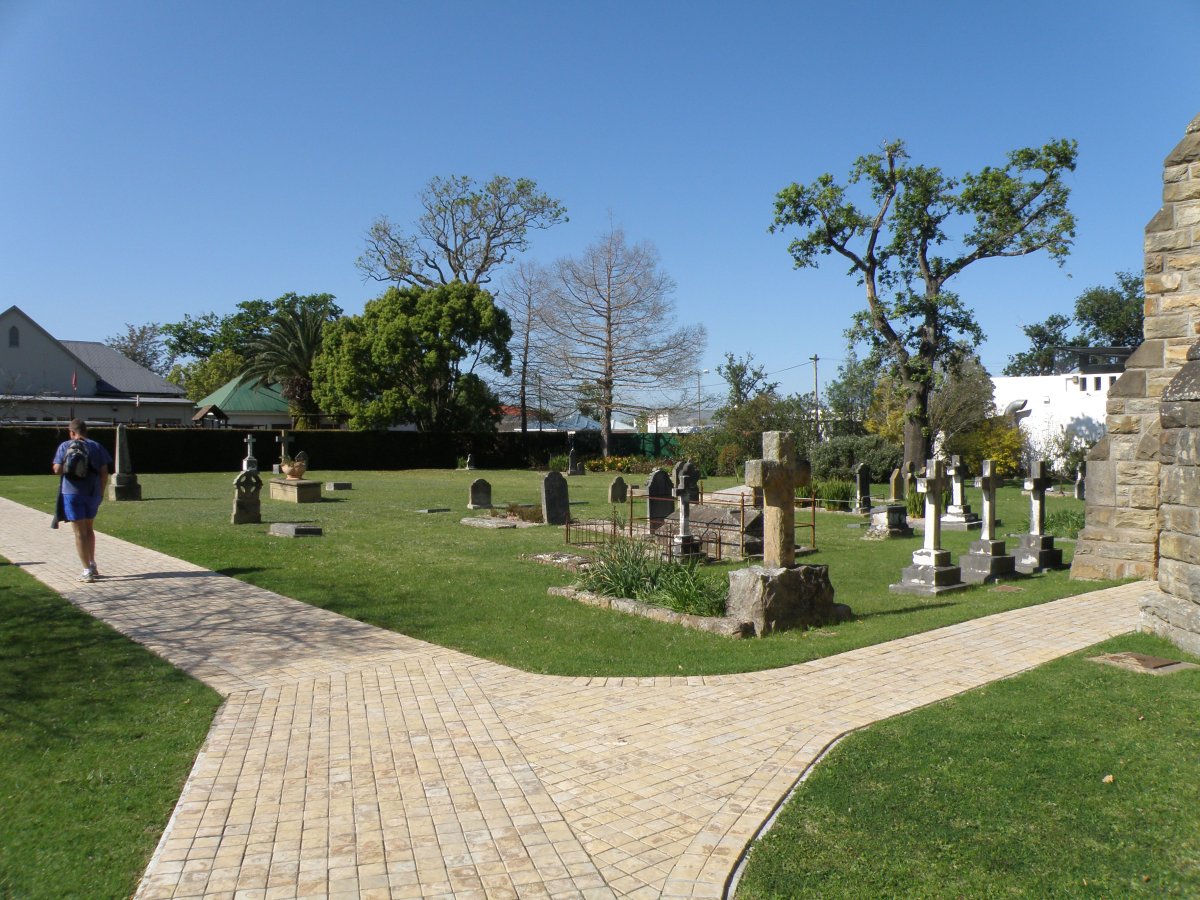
294 469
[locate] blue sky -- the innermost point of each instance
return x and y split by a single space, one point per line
160 158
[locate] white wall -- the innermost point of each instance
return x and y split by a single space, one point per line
1074 403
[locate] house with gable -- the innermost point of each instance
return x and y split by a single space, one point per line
43 379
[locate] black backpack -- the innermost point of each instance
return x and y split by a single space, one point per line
75 460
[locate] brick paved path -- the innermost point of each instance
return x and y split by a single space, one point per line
350 761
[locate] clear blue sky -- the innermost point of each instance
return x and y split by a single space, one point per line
163 158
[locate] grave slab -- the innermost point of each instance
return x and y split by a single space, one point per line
339 485
295 530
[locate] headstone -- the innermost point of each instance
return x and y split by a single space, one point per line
295 490
689 470
249 462
931 573
896 487
775 474
618 491
986 560
295 530
284 440
910 480
123 485
685 544
958 515
1037 551
574 466
481 494
556 504
247 505
1080 481
339 485
660 503
470 462
862 492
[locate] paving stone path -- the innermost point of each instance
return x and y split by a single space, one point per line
347 761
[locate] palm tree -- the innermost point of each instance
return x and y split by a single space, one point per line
285 355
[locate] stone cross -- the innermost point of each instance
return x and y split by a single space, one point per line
957 472
775 473
249 462
683 492
988 482
932 486
1036 484
284 441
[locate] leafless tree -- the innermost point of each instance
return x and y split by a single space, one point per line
466 230
614 313
525 296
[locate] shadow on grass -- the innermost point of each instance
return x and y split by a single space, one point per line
903 609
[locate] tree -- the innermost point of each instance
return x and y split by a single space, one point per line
849 396
524 297
200 377
613 311
144 345
1043 356
466 230
745 379
411 356
204 335
894 248
285 356
1107 316
962 400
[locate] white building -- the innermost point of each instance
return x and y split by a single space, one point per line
1048 405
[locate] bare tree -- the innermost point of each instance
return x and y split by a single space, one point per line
466 230
525 296
613 310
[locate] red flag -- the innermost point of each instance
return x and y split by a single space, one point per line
75 379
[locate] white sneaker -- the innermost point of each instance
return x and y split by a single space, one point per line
92 568
87 577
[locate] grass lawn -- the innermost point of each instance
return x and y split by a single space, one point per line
430 577
1002 792
96 736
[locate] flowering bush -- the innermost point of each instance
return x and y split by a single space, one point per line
639 465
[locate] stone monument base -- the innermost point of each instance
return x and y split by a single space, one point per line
889 521
779 599
339 485
986 562
294 529
295 490
124 487
686 546
960 518
1037 552
929 575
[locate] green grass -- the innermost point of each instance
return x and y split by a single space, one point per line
430 577
1000 793
97 736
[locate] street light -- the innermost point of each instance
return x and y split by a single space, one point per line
699 372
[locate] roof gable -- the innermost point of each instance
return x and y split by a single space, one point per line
118 373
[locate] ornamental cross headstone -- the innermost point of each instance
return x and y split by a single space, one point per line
931 573
958 515
932 486
249 463
987 482
247 505
685 543
986 560
284 440
775 473
1037 550
1036 484
957 472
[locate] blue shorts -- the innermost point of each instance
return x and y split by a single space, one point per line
80 506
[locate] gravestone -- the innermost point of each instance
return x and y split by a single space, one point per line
284 440
685 544
931 573
986 560
247 505
470 464
556 504
775 474
1037 551
480 495
660 503
295 490
739 529
123 485
574 465
689 470
862 492
249 462
896 487
618 491
958 515
339 485
1080 481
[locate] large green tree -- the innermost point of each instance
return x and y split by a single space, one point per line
411 358
918 229
285 356
465 230
144 345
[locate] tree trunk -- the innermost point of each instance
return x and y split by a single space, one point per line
916 424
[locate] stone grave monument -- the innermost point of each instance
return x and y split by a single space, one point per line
295 488
284 440
931 573
124 483
862 489
470 463
1036 550
660 503
1080 481
249 463
896 487
481 494
779 595
574 465
247 505
618 491
556 504
891 519
958 515
986 560
685 544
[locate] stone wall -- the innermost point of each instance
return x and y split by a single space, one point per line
1121 536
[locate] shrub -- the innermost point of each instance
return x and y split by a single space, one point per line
915 501
834 493
837 457
1065 522
636 570
559 462
638 465
996 440
728 458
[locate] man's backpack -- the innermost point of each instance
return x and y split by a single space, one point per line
75 460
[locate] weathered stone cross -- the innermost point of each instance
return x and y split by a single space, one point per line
775 473
932 486
683 491
957 472
284 440
988 482
1036 484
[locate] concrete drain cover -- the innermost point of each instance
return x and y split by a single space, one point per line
1140 662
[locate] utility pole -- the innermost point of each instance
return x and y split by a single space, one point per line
816 396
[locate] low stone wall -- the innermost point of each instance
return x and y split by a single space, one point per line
724 626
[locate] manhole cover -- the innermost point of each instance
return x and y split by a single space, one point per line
1140 662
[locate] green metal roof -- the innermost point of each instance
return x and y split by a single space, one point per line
242 395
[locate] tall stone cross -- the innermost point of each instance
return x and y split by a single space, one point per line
988 482
957 472
932 486
1036 484
249 462
284 441
683 492
775 473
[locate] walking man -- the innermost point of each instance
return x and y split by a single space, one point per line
82 489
